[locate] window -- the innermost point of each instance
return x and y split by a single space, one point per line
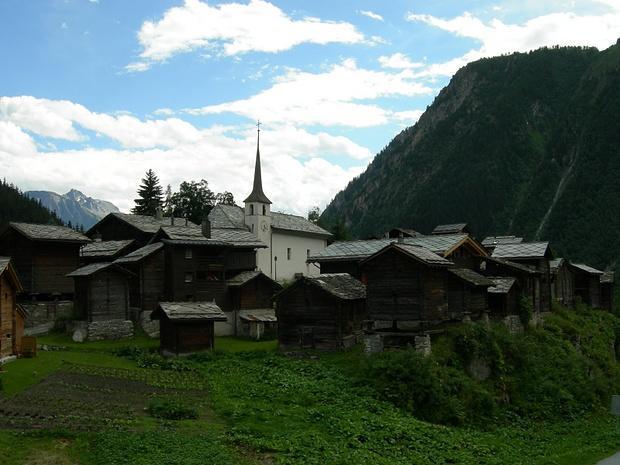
264 210
288 253
189 277
307 253
252 227
251 209
188 253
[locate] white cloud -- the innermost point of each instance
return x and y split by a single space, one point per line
371 15
327 99
497 38
233 29
398 61
295 171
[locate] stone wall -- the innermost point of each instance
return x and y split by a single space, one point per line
109 329
423 344
373 343
150 327
513 323
43 315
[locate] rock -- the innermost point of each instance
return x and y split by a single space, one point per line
150 327
79 335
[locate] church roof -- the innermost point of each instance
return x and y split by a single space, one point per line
257 194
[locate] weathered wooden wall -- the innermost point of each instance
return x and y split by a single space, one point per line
183 337
102 296
152 279
7 310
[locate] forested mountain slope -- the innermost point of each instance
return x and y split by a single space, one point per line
15 206
525 144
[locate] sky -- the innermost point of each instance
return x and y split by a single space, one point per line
95 92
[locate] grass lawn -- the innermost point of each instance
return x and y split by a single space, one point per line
264 407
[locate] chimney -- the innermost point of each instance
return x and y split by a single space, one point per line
206 228
172 220
158 213
186 221
401 238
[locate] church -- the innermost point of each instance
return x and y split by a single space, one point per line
290 239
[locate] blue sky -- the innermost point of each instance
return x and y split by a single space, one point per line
94 93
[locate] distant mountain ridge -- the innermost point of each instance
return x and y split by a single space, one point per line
74 206
525 144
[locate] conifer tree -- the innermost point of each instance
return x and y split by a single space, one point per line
150 195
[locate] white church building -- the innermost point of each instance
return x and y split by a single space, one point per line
290 239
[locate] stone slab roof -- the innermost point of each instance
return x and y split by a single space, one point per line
89 270
607 277
237 237
48 232
104 248
454 228
264 315
522 250
492 241
233 217
471 277
190 311
586 268
555 264
4 263
144 223
140 254
513 265
340 285
360 250
501 284
422 254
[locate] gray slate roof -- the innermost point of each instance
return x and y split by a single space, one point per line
421 254
586 268
607 277
496 240
232 217
104 248
242 278
4 262
48 232
555 264
140 254
146 224
513 265
237 237
522 250
471 277
450 228
406 232
265 315
501 285
192 311
340 285
359 250
89 270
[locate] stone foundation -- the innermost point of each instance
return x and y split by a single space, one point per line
423 344
513 323
150 327
81 331
373 343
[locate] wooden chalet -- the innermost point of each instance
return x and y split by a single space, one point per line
12 315
187 327
101 292
346 257
504 296
43 255
535 255
105 251
406 285
249 298
141 228
147 283
587 284
467 294
562 282
607 290
324 312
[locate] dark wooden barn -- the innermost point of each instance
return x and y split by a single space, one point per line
12 315
406 284
587 284
467 294
187 327
562 282
607 290
101 292
324 312
105 251
43 255
147 284
528 279
123 226
504 297
535 255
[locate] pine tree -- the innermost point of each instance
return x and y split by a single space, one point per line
151 195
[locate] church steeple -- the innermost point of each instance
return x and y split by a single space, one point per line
257 194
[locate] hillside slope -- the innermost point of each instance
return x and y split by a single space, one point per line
74 206
15 206
524 144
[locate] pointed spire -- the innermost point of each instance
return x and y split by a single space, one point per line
257 194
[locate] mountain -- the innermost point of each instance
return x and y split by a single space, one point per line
525 144
15 206
74 207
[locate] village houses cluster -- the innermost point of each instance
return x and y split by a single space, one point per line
187 283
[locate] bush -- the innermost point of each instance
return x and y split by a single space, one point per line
168 409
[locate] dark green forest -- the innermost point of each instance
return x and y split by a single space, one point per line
14 206
525 144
